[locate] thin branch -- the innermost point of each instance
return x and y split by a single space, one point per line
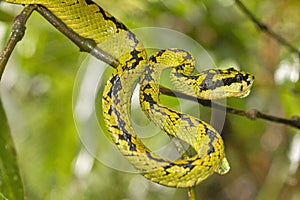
191 193
85 45
264 28
16 35
251 114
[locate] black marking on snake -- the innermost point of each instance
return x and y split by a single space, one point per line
116 101
116 85
147 74
185 118
88 2
149 99
159 110
110 110
246 78
115 79
180 68
153 59
105 97
132 37
177 50
149 155
134 56
187 56
118 24
188 165
212 137
241 88
178 74
161 52
208 84
125 136
158 54
229 70
147 86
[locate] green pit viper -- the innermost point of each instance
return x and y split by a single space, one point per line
89 20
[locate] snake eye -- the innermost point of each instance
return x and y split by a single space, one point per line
239 78
206 84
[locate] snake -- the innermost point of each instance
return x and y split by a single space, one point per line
91 21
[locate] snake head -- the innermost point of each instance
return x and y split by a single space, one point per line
223 83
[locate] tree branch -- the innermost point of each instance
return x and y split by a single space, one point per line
191 193
264 28
85 44
251 114
16 35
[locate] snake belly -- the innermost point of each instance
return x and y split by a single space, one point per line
89 20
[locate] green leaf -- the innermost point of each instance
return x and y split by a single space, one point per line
11 186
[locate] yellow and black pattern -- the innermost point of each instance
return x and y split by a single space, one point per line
90 21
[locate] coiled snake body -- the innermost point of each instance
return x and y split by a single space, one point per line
89 20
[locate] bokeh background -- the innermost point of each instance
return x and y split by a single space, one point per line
37 93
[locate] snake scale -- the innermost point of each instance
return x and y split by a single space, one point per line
89 20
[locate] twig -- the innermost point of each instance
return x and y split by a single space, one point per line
252 114
86 45
294 121
191 193
17 33
264 28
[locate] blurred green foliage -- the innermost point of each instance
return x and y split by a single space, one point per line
11 186
37 91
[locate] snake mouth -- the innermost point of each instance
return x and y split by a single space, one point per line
245 94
